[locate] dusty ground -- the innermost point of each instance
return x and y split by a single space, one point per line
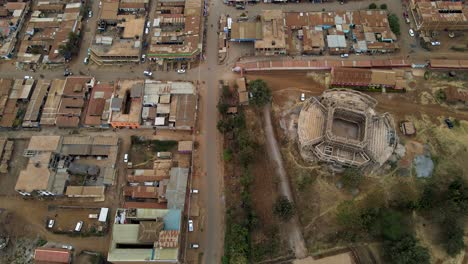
317 191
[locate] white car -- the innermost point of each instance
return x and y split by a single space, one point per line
302 97
194 191
180 70
194 245
148 24
126 158
86 60
435 43
27 77
411 32
190 225
146 31
344 55
147 73
50 223
143 58
90 14
69 247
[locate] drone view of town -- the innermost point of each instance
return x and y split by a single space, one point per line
233 131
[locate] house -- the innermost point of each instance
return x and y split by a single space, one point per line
185 147
44 255
33 112
273 40
242 91
362 78
52 103
439 15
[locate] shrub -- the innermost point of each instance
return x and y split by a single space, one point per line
373 6
351 178
227 154
406 251
283 208
383 6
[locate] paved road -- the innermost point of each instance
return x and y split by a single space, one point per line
296 241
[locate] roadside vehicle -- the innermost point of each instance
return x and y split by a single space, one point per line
164 155
449 123
50 223
180 70
90 14
344 55
86 60
143 58
78 226
190 225
195 191
194 245
411 32
147 73
125 157
435 43
302 97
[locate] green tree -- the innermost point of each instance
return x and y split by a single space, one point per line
222 108
261 94
351 178
383 6
348 215
452 236
394 23
406 251
72 46
283 208
389 225
373 6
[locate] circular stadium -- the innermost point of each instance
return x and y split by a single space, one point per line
342 128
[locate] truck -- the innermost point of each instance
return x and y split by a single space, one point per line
164 155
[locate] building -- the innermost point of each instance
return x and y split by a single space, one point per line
177 188
133 5
33 112
273 40
242 91
12 19
43 255
6 149
343 129
314 33
185 147
439 15
176 40
52 103
5 87
141 235
365 79
74 95
55 160
174 105
47 30
98 107
119 39
126 104
454 95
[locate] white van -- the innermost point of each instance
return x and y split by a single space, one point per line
78 226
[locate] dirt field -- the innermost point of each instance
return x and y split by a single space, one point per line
66 219
318 191
18 162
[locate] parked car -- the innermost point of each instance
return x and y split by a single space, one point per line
50 223
449 123
190 225
28 77
302 97
86 60
146 31
411 32
125 157
143 58
67 72
148 24
90 14
344 55
407 20
194 191
435 43
69 247
180 70
78 226
147 73
194 245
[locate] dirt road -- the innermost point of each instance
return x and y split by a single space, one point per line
296 241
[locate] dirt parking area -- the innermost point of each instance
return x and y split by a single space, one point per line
66 220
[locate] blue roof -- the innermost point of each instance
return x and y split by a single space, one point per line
172 220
